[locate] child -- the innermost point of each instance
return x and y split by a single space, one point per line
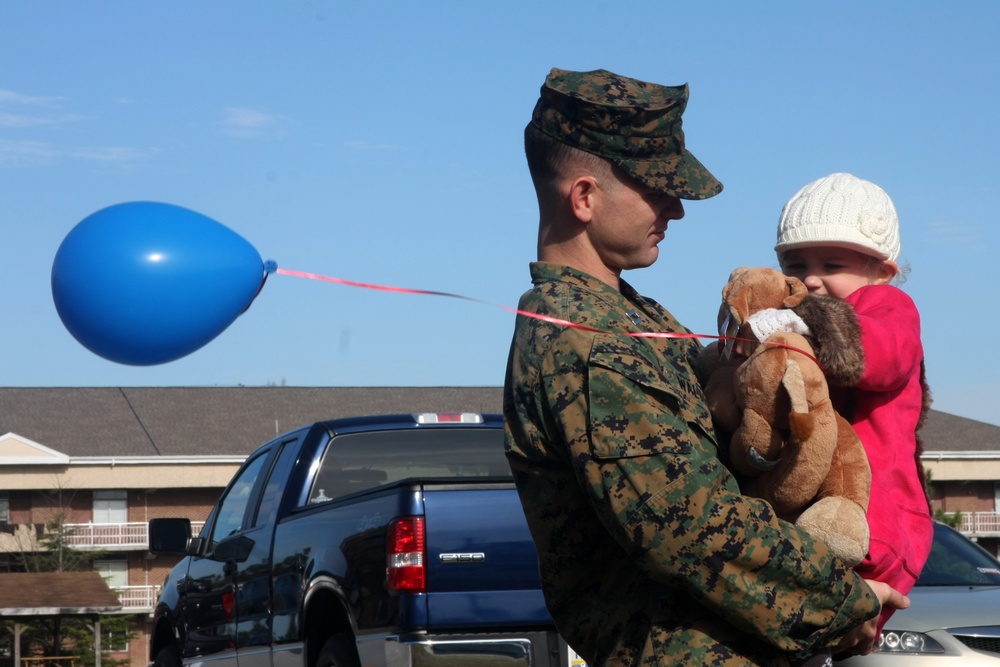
840 236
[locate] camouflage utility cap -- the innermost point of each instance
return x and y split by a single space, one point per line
633 124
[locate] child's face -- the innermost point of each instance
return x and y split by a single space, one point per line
835 271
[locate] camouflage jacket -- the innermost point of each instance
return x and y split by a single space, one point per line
648 554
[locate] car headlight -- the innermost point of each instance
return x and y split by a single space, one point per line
893 641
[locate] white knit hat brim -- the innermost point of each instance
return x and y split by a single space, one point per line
834 241
841 210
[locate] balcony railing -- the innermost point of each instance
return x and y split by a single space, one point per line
105 535
137 598
134 535
980 524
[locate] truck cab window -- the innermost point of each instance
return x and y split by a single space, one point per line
232 508
355 462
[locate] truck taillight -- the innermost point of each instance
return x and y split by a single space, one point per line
406 555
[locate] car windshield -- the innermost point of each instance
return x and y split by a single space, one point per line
957 561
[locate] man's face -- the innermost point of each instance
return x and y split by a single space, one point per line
630 221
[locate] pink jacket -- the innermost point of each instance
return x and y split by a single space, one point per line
884 408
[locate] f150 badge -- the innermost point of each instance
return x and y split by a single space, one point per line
463 558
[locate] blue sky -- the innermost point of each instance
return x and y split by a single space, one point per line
381 143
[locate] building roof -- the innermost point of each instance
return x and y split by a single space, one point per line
946 432
64 594
201 421
233 421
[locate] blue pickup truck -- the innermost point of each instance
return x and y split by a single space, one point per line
389 540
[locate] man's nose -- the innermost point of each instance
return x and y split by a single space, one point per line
673 208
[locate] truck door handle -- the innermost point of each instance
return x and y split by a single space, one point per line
229 568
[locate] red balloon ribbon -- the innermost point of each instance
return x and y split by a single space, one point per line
537 316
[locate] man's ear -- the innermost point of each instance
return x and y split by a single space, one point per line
582 191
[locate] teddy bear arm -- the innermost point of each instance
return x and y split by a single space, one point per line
756 446
850 475
721 399
809 453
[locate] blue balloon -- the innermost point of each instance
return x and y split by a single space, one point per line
145 283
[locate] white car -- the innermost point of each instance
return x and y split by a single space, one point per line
954 615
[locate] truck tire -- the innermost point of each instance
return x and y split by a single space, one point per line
168 656
338 651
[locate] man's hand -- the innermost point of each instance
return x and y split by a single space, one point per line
861 640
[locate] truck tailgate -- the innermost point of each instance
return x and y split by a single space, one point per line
479 570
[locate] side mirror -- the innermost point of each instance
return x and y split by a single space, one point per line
169 537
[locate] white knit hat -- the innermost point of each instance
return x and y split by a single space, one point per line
844 211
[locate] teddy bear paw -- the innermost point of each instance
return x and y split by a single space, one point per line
841 524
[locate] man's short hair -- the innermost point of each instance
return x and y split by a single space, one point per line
549 158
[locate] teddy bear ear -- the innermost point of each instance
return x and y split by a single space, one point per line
797 292
737 272
733 284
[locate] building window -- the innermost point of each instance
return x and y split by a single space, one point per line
4 507
116 642
110 507
7 564
114 571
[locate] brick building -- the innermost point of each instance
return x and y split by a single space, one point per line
109 459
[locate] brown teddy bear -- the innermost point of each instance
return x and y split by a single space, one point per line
787 443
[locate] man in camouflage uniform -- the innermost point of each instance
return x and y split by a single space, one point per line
648 553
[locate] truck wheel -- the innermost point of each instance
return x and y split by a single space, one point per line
338 651
168 656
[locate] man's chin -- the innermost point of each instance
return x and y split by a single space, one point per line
647 260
